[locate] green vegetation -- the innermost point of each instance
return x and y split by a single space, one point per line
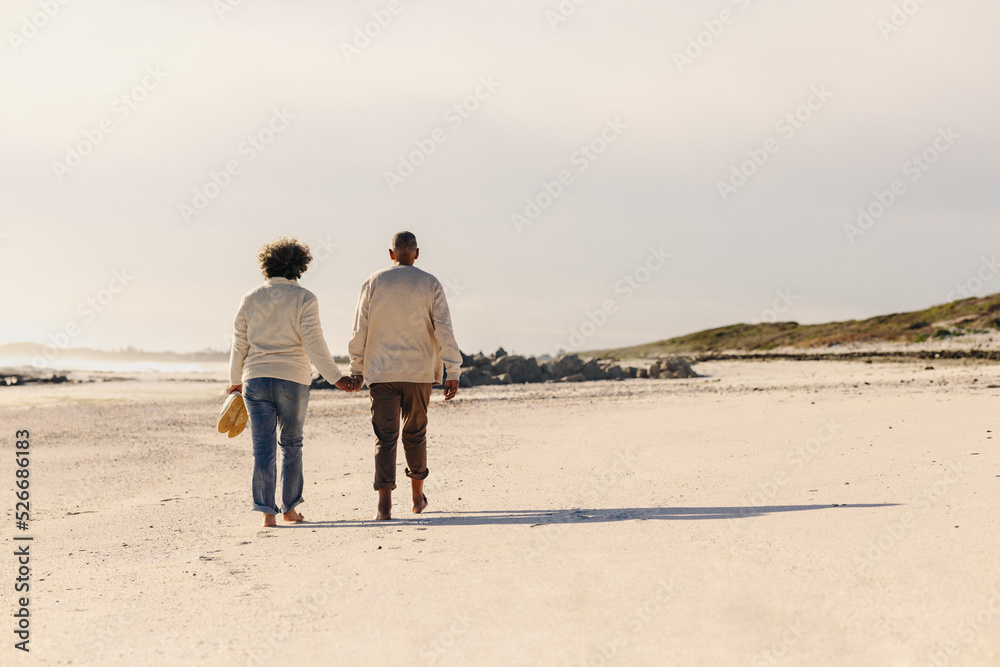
974 315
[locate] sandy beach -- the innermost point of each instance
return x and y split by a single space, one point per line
717 286
794 513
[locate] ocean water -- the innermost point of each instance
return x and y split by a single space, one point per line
94 369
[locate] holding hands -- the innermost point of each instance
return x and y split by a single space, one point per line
350 383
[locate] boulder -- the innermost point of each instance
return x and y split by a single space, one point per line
615 373
534 370
503 364
500 353
670 368
518 372
577 377
550 372
467 361
486 376
676 367
631 372
641 373
471 375
514 365
569 365
593 371
480 379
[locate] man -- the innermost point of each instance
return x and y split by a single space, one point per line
402 333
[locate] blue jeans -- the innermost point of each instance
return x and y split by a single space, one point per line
277 410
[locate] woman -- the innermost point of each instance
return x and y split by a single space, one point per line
276 335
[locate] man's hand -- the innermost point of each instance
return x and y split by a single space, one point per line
346 384
235 387
359 380
450 389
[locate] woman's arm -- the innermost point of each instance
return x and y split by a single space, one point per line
312 339
240 348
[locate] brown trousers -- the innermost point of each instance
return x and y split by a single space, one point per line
389 400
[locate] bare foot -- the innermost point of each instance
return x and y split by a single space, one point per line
420 505
269 521
384 505
292 516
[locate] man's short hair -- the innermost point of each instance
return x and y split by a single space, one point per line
404 241
284 258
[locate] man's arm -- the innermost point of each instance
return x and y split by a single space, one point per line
239 350
450 354
359 337
312 339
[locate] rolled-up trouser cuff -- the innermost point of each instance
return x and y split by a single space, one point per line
293 505
418 475
265 509
385 485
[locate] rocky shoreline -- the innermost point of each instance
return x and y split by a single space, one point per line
16 379
501 368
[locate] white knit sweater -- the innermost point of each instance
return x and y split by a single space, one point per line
402 329
277 333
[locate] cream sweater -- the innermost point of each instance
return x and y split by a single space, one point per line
402 329
277 333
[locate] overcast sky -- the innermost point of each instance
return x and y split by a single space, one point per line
738 137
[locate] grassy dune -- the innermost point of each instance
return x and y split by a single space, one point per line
958 318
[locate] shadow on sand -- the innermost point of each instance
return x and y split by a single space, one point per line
534 518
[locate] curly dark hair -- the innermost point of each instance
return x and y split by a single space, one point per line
284 258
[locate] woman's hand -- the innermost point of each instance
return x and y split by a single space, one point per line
346 384
235 387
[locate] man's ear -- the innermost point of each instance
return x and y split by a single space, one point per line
392 255
416 254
